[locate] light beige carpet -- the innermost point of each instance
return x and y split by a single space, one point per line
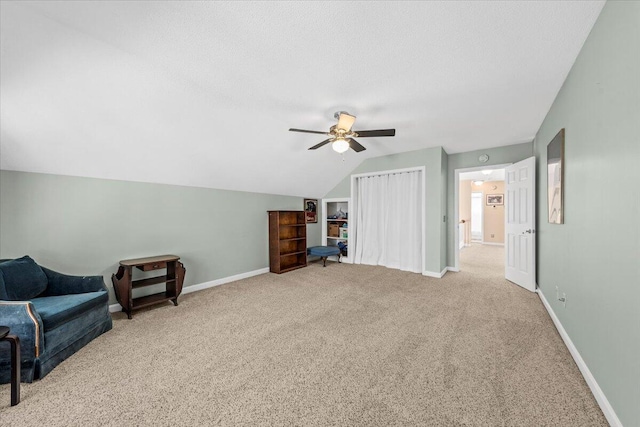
341 345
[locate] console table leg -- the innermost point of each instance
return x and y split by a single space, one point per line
175 301
15 368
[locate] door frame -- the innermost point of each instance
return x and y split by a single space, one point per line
456 206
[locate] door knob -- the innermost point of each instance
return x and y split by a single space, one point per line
530 231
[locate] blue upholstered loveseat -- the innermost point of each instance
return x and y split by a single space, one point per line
53 314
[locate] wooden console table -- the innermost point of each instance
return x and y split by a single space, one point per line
123 283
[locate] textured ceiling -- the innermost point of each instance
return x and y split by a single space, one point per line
495 175
202 93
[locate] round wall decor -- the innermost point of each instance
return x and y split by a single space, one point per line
483 158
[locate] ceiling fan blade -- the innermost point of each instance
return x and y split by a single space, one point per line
346 121
307 131
355 145
326 141
381 132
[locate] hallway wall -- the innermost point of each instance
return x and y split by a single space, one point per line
493 214
493 217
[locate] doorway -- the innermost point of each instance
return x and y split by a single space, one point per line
518 222
479 195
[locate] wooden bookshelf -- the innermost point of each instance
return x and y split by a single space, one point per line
287 241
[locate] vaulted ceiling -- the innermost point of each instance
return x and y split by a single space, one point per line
203 93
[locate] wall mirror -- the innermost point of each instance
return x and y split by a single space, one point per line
555 178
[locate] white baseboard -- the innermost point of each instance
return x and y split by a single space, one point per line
602 400
493 244
434 274
453 269
206 285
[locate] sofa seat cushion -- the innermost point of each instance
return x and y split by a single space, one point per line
23 279
58 310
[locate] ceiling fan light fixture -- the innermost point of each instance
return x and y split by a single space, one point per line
340 145
342 137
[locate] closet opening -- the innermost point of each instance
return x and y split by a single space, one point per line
387 226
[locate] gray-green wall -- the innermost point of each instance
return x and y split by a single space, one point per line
595 256
85 226
435 162
497 156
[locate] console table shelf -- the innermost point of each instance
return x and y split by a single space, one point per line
123 283
151 300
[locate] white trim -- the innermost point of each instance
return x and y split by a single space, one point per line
602 400
354 207
389 172
434 274
456 203
492 244
453 269
206 285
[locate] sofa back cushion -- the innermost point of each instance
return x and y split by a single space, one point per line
23 279
3 290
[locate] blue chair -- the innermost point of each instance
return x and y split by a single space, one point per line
53 314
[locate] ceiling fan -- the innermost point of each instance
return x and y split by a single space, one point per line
341 135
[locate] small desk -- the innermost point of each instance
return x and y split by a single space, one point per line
15 363
123 282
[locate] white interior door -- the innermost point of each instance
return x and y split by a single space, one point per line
520 242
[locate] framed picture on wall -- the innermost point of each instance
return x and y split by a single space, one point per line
311 210
555 178
495 199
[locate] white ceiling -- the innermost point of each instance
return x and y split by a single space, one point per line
203 93
495 175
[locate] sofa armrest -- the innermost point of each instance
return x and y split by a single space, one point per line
23 320
63 284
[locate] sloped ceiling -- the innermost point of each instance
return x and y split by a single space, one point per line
203 93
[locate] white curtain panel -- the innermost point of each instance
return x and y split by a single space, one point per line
389 221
